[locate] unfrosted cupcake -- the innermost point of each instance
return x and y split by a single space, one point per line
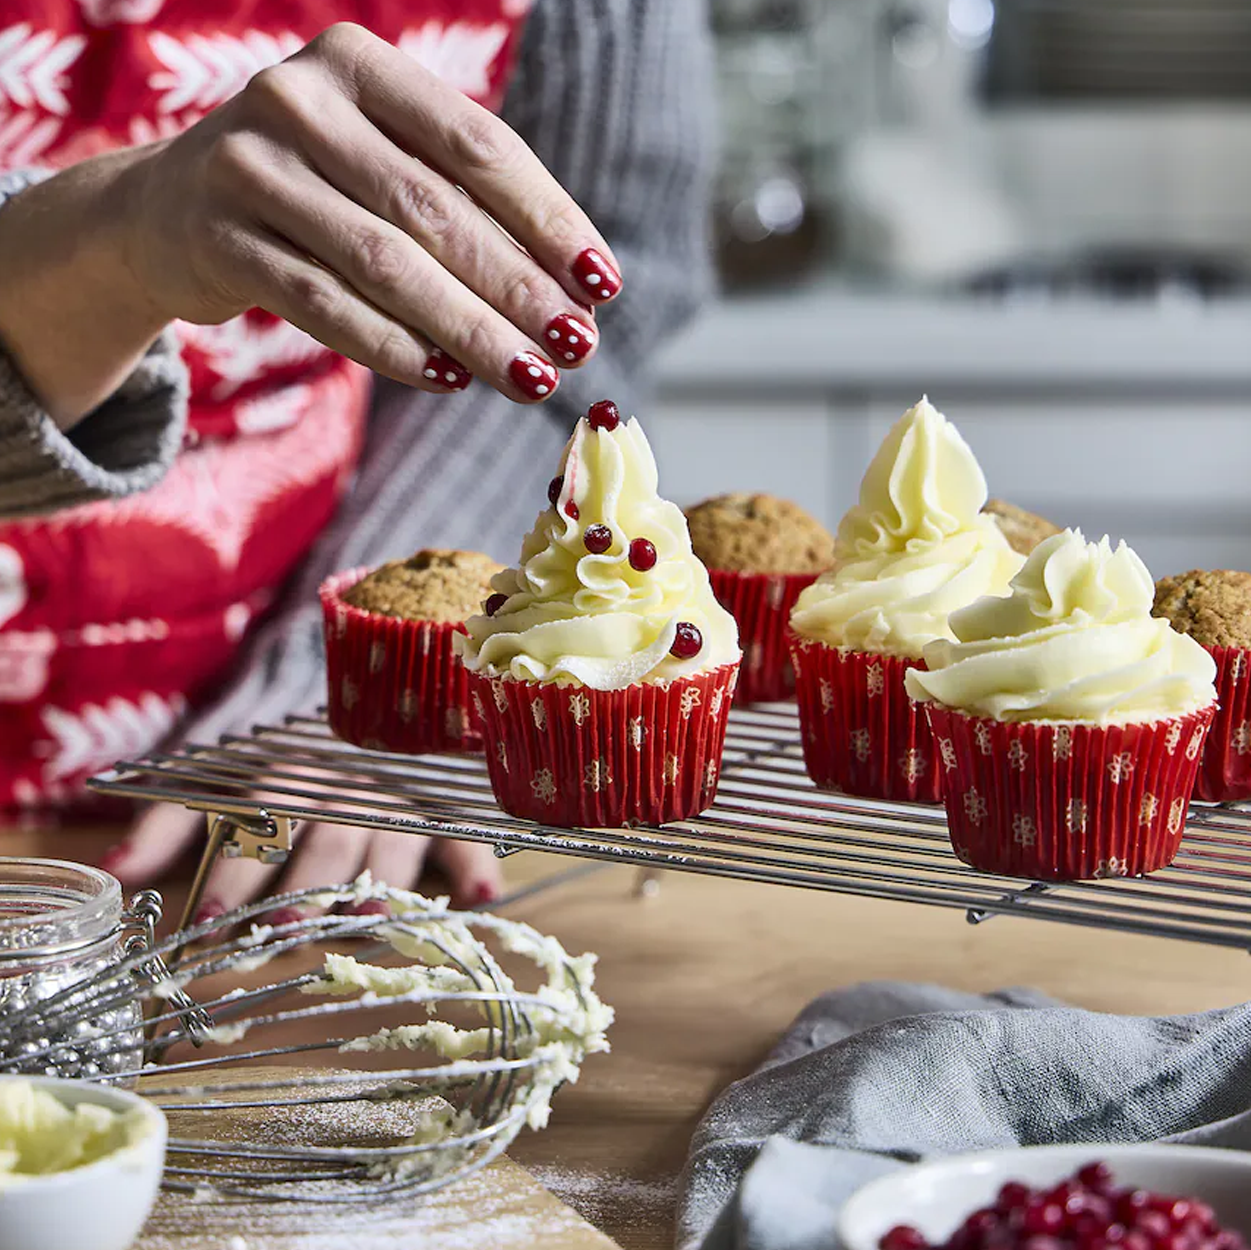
914 549
394 681
603 665
1069 720
760 552
1213 606
1023 530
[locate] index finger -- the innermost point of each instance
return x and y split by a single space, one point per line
483 155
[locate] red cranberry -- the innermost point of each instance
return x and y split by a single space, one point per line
554 487
604 416
642 555
686 642
597 539
981 1224
1176 1210
1012 1196
902 1237
571 511
1096 1177
1130 1204
1203 1215
1043 1218
1134 1240
1154 1225
1041 1242
494 603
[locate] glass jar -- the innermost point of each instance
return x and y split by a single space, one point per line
62 929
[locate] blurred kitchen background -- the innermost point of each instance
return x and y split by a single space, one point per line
1037 211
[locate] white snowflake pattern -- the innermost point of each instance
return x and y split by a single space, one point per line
1062 743
1024 831
96 735
912 766
981 734
1075 816
1241 738
539 714
34 65
1176 815
710 775
1018 756
203 71
500 695
120 12
477 706
501 754
671 769
406 705
597 775
875 679
1173 740
827 695
975 807
579 708
460 53
241 349
24 663
689 702
377 657
272 410
1147 809
349 693
455 723
637 731
1120 766
861 744
947 751
1195 745
544 786
1111 868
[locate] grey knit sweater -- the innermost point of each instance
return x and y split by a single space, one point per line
614 96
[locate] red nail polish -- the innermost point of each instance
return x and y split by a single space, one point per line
113 858
370 907
210 909
484 893
284 916
533 376
568 339
598 277
444 371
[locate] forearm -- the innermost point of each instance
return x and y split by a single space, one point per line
73 319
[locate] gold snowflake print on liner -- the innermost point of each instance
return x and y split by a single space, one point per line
913 765
1173 741
579 708
1018 756
947 751
349 694
1147 809
827 695
689 702
1111 868
455 722
1120 767
861 742
543 786
501 753
1195 745
1024 831
715 700
981 733
1062 743
671 769
1176 815
710 775
477 706
975 807
539 713
638 732
500 696
407 705
377 657
1075 816
1242 738
597 775
875 680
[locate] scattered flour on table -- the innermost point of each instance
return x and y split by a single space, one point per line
600 1197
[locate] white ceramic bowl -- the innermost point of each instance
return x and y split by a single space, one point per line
936 1197
101 1206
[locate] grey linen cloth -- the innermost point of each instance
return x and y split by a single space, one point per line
874 1077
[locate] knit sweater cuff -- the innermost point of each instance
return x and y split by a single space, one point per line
123 446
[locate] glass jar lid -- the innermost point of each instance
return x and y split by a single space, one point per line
53 909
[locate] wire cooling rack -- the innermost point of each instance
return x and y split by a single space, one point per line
768 824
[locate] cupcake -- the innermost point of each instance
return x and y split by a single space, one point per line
1023 530
1214 608
760 552
916 548
603 665
394 682
1069 720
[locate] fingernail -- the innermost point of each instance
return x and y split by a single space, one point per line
599 278
113 858
210 909
370 907
533 376
484 892
284 916
447 372
569 339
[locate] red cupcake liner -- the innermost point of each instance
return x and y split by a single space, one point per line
573 757
1225 770
761 603
1067 802
394 685
861 733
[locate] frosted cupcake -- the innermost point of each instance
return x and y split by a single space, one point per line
915 549
603 665
1069 720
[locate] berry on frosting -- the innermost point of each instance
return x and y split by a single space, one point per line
597 539
554 487
571 510
494 603
686 642
642 555
604 416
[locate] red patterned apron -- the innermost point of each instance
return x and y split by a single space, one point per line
115 617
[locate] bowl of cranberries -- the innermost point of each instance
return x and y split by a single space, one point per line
1059 1198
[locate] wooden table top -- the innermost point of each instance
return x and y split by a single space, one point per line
707 973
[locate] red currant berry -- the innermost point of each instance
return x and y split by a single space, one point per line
687 641
571 511
554 487
642 555
1203 1216
981 1224
902 1237
1131 1204
1134 1240
597 539
1012 1197
1154 1225
604 416
1096 1177
1176 1210
494 603
1043 1219
1042 1242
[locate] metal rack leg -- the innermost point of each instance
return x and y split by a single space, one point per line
218 831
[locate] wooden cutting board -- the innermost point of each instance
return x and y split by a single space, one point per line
500 1208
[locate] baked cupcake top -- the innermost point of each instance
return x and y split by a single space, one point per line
1074 641
608 591
433 585
913 550
1023 530
745 533
1212 606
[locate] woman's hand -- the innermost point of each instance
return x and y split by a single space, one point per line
325 854
353 193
